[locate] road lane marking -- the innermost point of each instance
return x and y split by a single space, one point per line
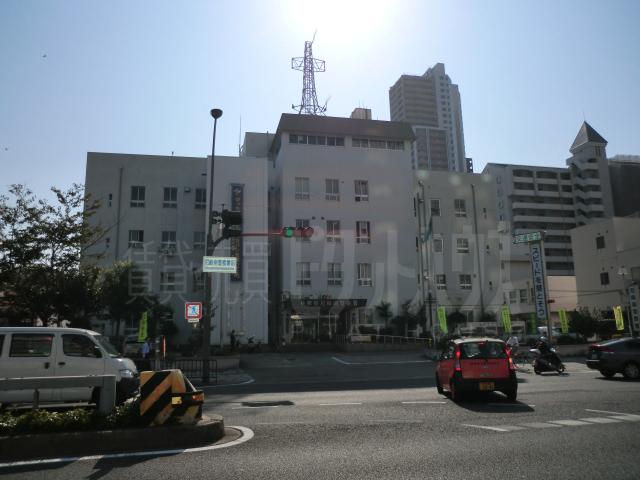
247 434
495 429
343 403
540 425
627 417
403 362
569 423
424 402
606 411
600 420
255 406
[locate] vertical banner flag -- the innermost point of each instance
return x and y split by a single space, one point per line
143 327
236 243
532 321
506 319
442 317
564 324
539 290
617 312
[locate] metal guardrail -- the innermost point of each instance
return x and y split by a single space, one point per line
106 383
190 367
381 339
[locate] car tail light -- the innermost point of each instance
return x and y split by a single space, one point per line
458 367
511 365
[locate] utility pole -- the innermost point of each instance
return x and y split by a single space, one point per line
216 113
427 276
418 204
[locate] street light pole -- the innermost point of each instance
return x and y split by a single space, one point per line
216 113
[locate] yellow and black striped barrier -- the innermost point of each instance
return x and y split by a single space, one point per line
167 396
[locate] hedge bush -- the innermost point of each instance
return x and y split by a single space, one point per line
78 419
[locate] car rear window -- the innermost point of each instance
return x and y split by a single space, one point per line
482 350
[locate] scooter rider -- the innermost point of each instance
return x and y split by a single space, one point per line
546 353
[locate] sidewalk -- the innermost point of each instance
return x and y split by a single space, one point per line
227 377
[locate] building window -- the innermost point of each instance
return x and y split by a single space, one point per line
140 284
302 223
303 273
168 245
198 280
600 242
332 189
167 281
201 198
334 274
360 142
333 231
198 240
302 188
362 190
462 245
364 275
335 141
465 281
512 296
437 244
170 199
441 282
378 143
604 278
523 295
137 197
136 238
395 145
598 151
460 207
363 234
435 207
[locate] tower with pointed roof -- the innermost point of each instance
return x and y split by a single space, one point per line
590 176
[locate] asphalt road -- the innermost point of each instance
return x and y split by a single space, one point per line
341 416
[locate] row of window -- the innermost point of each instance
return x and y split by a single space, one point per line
334 274
513 296
542 187
40 345
335 141
169 241
541 174
169 197
332 189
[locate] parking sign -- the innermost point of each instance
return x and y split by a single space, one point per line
193 311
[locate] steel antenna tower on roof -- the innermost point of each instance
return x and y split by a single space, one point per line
309 66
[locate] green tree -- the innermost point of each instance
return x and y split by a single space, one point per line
455 319
41 244
581 321
383 310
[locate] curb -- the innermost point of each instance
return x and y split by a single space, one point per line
46 445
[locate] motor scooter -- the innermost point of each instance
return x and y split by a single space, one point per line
546 363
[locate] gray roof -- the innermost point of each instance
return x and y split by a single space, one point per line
292 122
585 135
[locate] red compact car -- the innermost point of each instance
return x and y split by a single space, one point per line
476 365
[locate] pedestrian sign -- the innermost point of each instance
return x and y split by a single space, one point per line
192 311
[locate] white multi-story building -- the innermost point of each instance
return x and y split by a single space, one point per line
153 209
462 252
350 180
607 263
430 103
555 200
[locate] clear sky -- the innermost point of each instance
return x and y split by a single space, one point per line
141 76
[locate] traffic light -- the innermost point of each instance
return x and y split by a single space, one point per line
232 222
304 232
298 232
287 232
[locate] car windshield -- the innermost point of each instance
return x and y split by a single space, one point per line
482 350
104 342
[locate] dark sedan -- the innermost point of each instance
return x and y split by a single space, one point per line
616 356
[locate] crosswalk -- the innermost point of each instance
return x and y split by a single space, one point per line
612 417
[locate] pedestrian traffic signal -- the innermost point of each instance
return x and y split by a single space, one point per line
232 222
